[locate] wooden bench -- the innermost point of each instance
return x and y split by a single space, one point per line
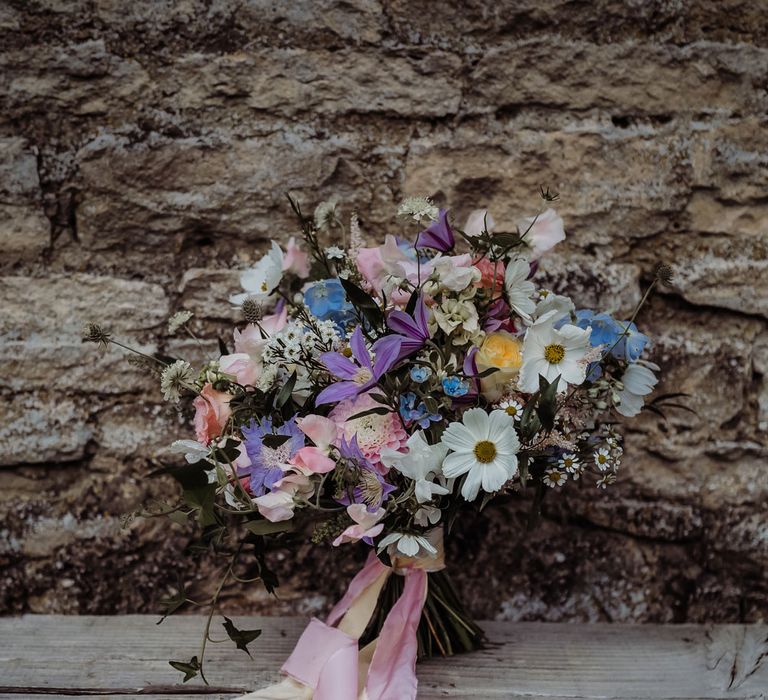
124 657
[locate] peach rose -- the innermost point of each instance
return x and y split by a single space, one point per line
500 350
212 412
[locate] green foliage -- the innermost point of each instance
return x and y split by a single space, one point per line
364 303
241 638
189 668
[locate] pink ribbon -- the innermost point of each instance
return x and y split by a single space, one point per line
326 659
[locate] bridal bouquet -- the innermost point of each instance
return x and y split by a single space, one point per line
371 396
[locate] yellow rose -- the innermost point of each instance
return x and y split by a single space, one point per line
504 352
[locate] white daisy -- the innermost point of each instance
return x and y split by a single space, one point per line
638 381
604 480
260 280
484 447
519 288
569 462
603 459
512 408
409 545
422 463
550 352
554 477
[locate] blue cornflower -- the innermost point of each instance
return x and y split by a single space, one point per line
266 462
420 374
455 387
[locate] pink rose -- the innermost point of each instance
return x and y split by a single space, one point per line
241 366
544 234
492 274
212 412
295 259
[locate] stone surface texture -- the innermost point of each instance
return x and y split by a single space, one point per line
145 150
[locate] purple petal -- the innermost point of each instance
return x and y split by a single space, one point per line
422 317
337 392
359 351
470 366
408 347
338 365
402 323
386 350
438 235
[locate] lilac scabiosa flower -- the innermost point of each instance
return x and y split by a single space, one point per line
361 375
267 462
371 489
413 330
438 235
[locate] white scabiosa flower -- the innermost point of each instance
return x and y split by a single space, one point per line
174 379
638 381
418 209
519 288
484 447
260 280
550 352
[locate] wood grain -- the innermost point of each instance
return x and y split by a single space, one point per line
123 657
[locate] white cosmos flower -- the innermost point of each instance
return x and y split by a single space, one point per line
550 352
422 463
260 280
638 381
554 302
484 447
519 288
409 545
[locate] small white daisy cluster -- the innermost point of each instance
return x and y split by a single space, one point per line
301 343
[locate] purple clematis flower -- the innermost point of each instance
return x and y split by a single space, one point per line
414 330
372 489
438 235
267 462
357 378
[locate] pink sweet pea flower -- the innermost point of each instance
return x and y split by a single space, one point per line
278 504
241 366
365 528
322 431
492 274
546 231
295 259
312 460
212 412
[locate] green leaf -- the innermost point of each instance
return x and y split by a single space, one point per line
506 240
202 499
223 350
179 517
364 302
274 441
190 669
375 411
241 638
266 527
286 391
190 476
547 405
380 398
172 603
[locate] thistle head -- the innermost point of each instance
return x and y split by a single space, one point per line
253 311
664 273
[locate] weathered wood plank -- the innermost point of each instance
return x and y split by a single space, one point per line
123 657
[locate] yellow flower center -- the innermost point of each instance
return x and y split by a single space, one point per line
347 351
511 411
485 451
363 375
568 463
554 353
601 459
264 287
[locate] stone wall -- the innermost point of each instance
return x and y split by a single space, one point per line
145 149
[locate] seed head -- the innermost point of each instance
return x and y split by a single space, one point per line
664 273
253 311
94 333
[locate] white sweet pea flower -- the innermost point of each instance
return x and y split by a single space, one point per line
454 273
519 288
638 381
545 231
477 221
260 280
422 463
427 515
409 545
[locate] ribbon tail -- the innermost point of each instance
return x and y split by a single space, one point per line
287 689
392 673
